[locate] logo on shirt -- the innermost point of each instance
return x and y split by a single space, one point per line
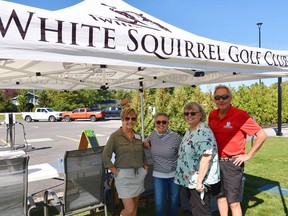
228 125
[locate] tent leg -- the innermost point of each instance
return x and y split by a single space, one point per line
279 129
142 114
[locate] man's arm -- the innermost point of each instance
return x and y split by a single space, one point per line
260 138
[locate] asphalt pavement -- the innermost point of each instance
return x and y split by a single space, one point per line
50 140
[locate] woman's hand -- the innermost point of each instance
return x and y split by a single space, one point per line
114 170
146 144
199 187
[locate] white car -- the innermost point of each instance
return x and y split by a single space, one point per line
42 114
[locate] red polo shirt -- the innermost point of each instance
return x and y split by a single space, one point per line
231 131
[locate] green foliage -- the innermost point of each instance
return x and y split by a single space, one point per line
6 104
258 100
44 99
136 101
175 110
22 100
121 94
285 102
274 89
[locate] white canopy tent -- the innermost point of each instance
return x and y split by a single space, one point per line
108 44
103 44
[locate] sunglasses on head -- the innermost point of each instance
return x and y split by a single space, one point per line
190 113
130 118
163 122
224 97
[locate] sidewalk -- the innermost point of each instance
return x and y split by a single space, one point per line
273 130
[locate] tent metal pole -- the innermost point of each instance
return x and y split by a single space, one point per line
141 90
142 114
279 129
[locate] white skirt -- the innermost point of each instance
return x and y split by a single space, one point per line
130 182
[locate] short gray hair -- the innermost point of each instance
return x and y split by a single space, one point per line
193 105
225 87
161 114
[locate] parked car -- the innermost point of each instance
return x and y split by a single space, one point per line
42 114
83 113
112 112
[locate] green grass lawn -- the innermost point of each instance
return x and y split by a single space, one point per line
268 166
17 115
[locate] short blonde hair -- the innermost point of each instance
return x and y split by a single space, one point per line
126 111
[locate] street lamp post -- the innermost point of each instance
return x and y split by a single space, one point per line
279 125
259 39
259 28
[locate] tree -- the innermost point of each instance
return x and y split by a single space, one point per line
122 94
10 93
44 100
22 101
8 106
175 110
258 101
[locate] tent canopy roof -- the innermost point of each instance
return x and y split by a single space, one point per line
101 44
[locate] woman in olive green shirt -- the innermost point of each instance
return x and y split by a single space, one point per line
129 167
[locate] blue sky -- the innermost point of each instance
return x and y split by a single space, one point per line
222 20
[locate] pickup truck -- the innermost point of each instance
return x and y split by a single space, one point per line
112 112
83 113
42 114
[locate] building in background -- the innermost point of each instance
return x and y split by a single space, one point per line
32 99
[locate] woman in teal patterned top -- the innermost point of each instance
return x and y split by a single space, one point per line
198 165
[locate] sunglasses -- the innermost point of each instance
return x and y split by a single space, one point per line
190 113
224 97
130 118
163 122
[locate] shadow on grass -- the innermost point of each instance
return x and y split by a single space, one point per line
251 189
252 184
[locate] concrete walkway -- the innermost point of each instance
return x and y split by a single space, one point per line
271 131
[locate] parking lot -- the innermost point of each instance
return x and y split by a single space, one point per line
50 140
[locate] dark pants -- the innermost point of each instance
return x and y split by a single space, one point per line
200 207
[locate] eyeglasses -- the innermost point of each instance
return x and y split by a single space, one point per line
163 122
224 97
190 113
130 118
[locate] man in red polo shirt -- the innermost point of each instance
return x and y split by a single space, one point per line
230 126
